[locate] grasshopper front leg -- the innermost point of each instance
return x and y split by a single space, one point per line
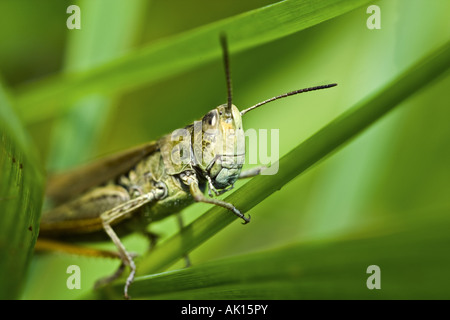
252 172
119 213
243 175
191 180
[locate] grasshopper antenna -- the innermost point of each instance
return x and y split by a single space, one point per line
226 61
287 95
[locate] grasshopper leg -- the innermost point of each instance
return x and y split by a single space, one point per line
124 255
217 192
55 245
192 182
119 213
103 281
251 172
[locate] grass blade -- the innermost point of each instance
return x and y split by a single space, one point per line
321 269
21 194
101 39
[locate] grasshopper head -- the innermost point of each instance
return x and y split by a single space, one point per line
223 145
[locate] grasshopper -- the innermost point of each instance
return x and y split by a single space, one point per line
125 192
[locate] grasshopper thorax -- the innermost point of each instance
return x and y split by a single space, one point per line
222 146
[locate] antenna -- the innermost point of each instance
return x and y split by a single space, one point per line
287 95
226 61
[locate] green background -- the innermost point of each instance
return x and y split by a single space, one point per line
391 184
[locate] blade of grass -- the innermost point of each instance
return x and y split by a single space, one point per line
411 256
321 144
21 194
102 38
49 97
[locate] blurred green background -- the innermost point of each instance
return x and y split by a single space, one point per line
395 175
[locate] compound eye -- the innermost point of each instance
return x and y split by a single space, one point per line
210 119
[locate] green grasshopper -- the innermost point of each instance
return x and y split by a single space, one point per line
123 193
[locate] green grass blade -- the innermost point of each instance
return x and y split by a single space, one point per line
321 144
102 38
334 269
49 97
21 194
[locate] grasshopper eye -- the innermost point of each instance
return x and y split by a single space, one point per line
210 119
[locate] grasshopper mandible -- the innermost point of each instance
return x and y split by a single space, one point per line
125 192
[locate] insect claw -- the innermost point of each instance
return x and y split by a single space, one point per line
246 220
241 215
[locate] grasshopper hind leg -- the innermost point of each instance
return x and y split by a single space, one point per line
126 257
106 280
122 212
